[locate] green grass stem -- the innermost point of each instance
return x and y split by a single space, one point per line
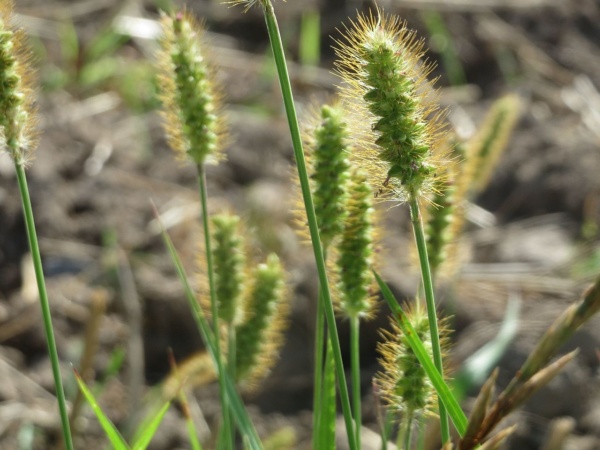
286 88
417 224
355 367
228 431
318 369
405 434
45 305
327 414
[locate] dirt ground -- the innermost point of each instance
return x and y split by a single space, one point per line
102 159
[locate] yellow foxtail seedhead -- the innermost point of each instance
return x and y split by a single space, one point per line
440 215
485 149
356 250
229 266
403 382
259 336
17 119
191 100
380 61
328 144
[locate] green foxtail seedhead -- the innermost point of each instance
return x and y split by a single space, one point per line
17 120
259 336
192 102
328 145
484 150
229 266
439 219
380 61
355 250
403 382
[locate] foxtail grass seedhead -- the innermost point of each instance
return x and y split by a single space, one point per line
191 100
17 117
356 250
327 147
259 337
439 219
485 149
403 381
229 266
386 81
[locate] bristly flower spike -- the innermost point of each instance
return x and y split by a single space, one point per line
259 336
191 100
328 158
381 62
17 121
485 149
229 265
403 381
440 215
356 250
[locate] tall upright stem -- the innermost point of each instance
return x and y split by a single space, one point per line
355 363
290 109
45 304
227 429
318 369
417 224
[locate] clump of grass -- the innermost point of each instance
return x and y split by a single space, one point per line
398 154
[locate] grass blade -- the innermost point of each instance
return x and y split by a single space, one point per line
110 430
148 427
479 365
444 393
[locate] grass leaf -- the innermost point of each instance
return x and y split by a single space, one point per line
115 438
480 364
148 428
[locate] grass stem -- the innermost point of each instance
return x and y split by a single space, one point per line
417 224
288 100
227 429
318 372
45 304
355 363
